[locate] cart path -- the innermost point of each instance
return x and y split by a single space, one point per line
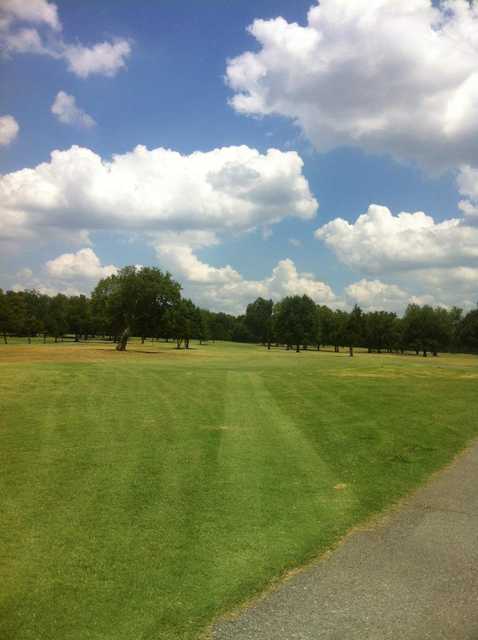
412 576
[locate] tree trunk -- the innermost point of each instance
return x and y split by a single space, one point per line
351 351
178 343
142 339
186 343
425 353
269 346
297 349
123 340
435 353
29 339
318 346
44 338
336 349
5 337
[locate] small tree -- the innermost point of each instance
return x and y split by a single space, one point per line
354 328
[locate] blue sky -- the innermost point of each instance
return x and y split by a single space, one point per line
171 84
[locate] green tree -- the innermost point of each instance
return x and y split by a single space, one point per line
204 330
354 328
135 299
467 332
5 316
259 320
296 321
79 316
56 319
378 330
183 320
339 324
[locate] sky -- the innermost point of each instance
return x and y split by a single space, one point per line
264 148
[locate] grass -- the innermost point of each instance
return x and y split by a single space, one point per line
144 493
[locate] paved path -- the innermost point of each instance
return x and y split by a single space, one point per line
412 577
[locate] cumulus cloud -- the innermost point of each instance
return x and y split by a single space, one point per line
69 273
83 265
9 129
427 258
235 293
375 295
33 26
176 251
224 288
105 58
387 76
64 107
227 189
378 241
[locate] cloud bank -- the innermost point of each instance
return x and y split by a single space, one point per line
226 189
419 254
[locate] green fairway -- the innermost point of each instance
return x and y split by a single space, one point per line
143 493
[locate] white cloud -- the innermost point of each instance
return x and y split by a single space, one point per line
69 273
224 288
105 58
450 286
37 11
379 241
82 265
389 76
467 181
374 295
44 38
9 129
294 242
227 189
421 256
67 111
176 250
234 294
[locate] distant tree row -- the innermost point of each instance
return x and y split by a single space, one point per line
298 322
146 302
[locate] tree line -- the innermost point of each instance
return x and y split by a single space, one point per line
147 302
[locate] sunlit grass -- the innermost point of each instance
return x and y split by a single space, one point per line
143 493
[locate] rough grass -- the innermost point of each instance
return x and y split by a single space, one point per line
143 493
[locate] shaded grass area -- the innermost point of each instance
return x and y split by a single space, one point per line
144 493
